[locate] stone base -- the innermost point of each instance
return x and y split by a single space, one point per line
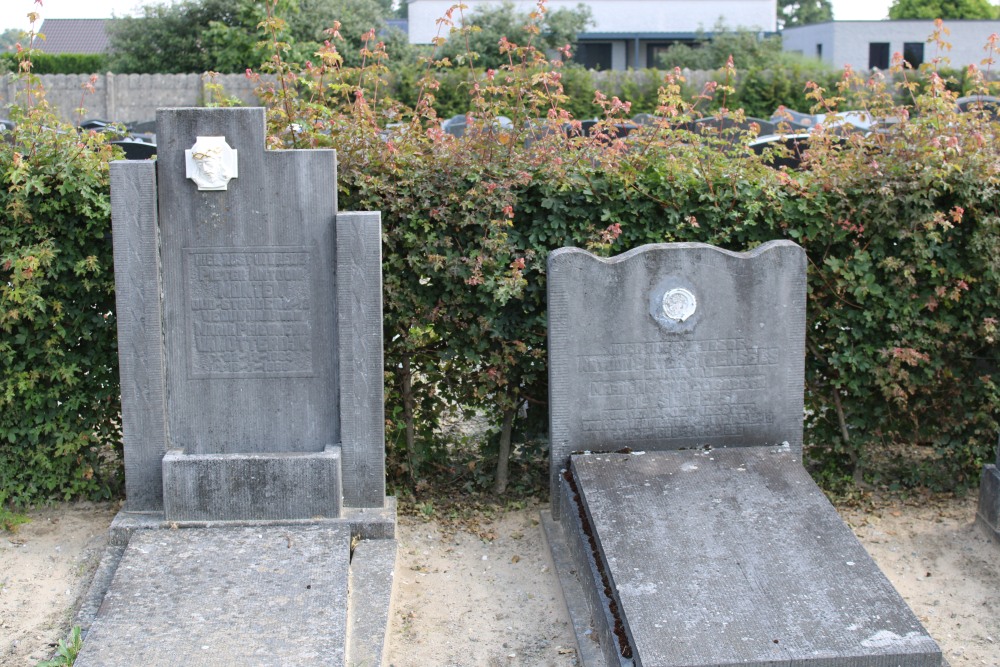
366 523
581 549
242 487
156 574
988 512
225 596
729 557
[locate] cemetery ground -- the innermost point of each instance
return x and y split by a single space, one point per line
476 586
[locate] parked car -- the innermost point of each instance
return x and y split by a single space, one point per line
795 145
136 149
988 103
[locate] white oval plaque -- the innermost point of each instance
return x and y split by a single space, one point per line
679 304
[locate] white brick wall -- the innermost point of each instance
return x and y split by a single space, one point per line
847 42
626 16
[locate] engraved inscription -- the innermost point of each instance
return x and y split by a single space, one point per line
678 389
250 312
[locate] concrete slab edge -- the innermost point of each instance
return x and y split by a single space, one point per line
99 585
987 529
371 587
584 557
588 650
988 509
366 523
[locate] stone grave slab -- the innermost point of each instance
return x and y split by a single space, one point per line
214 596
249 317
676 376
735 557
725 366
988 509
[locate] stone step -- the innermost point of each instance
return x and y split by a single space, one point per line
735 557
214 596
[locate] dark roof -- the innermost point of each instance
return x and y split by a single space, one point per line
74 35
654 36
403 25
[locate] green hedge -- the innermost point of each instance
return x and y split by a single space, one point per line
758 92
901 228
59 435
57 63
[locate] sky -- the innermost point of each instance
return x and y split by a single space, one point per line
13 13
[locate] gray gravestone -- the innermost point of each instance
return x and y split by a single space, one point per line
738 559
988 510
724 366
250 328
676 377
250 346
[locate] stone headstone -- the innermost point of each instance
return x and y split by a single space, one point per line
697 538
988 510
249 327
675 346
135 149
250 347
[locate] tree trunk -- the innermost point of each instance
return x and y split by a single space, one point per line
503 462
857 471
408 410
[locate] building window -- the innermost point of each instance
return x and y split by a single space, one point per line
819 51
654 50
593 55
653 53
913 53
878 55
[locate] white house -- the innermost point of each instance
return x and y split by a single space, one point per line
625 33
867 44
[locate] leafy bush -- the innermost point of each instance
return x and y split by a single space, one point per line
747 48
56 63
196 36
481 33
900 228
760 92
58 365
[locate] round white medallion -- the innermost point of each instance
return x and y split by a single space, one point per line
679 304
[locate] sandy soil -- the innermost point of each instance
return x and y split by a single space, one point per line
946 569
490 599
485 594
45 568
